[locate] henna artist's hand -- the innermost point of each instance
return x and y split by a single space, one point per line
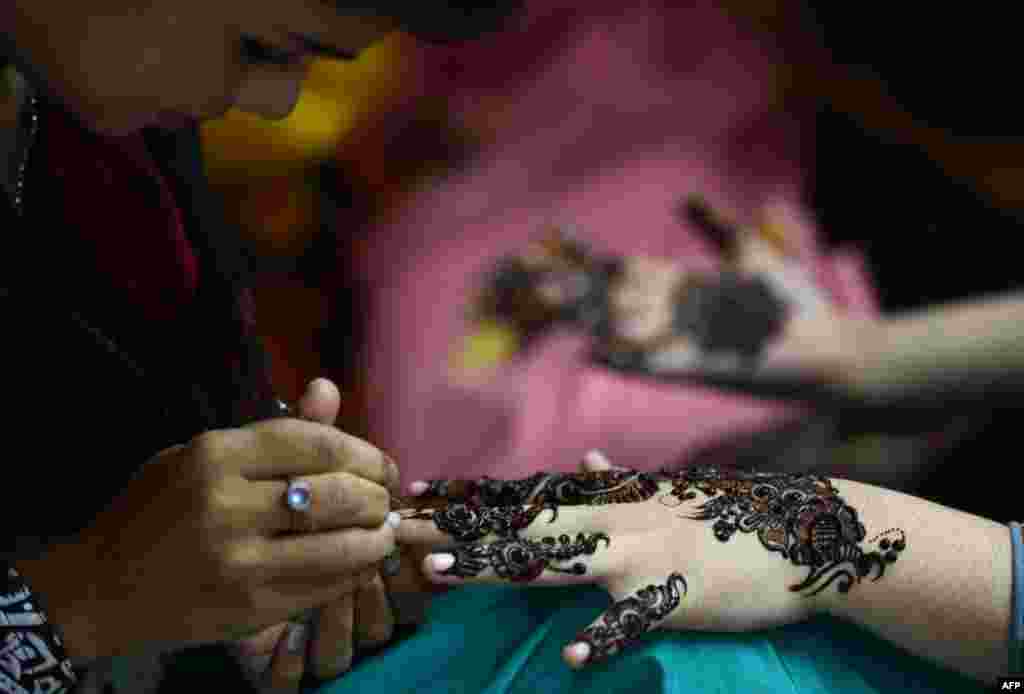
276 658
702 548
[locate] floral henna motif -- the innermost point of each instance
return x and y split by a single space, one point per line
469 522
631 617
522 559
579 489
802 517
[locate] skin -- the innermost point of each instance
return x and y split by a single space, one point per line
952 568
123 66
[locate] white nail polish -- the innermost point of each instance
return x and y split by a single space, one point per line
417 488
394 519
441 562
579 652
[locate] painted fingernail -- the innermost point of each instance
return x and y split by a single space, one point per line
394 519
597 459
578 653
296 638
441 562
418 487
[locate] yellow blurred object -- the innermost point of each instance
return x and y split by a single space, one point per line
775 233
337 95
490 345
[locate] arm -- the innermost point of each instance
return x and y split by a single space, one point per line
947 598
751 550
967 345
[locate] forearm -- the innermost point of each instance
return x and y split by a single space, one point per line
948 596
953 346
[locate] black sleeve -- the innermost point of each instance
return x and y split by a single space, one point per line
32 657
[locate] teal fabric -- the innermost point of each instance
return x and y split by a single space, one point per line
502 640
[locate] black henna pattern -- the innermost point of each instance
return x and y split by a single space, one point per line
802 517
575 489
521 559
622 624
469 522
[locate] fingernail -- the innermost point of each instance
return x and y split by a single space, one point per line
394 519
579 653
597 458
418 487
296 638
441 562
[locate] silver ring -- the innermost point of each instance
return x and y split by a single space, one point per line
299 496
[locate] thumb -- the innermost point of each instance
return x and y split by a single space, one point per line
321 402
622 624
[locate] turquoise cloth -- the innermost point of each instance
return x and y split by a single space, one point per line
502 640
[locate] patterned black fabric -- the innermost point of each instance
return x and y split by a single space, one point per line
32 658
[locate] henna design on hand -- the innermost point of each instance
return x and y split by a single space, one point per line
802 517
521 559
629 618
575 489
469 522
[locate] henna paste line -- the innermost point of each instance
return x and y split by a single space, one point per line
521 559
802 517
629 618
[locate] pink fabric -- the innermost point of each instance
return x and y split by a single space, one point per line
620 115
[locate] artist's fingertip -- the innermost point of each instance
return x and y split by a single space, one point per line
436 563
394 519
418 487
576 654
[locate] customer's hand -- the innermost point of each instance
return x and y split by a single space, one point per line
701 548
276 658
200 547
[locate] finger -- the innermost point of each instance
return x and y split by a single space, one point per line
283 448
256 652
321 402
336 500
293 558
453 523
409 591
375 621
721 231
333 649
772 228
553 561
289 662
621 625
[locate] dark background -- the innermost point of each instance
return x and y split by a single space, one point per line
929 238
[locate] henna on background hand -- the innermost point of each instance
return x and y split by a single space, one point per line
521 559
802 517
622 624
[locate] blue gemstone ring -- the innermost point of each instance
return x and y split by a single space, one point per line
299 497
